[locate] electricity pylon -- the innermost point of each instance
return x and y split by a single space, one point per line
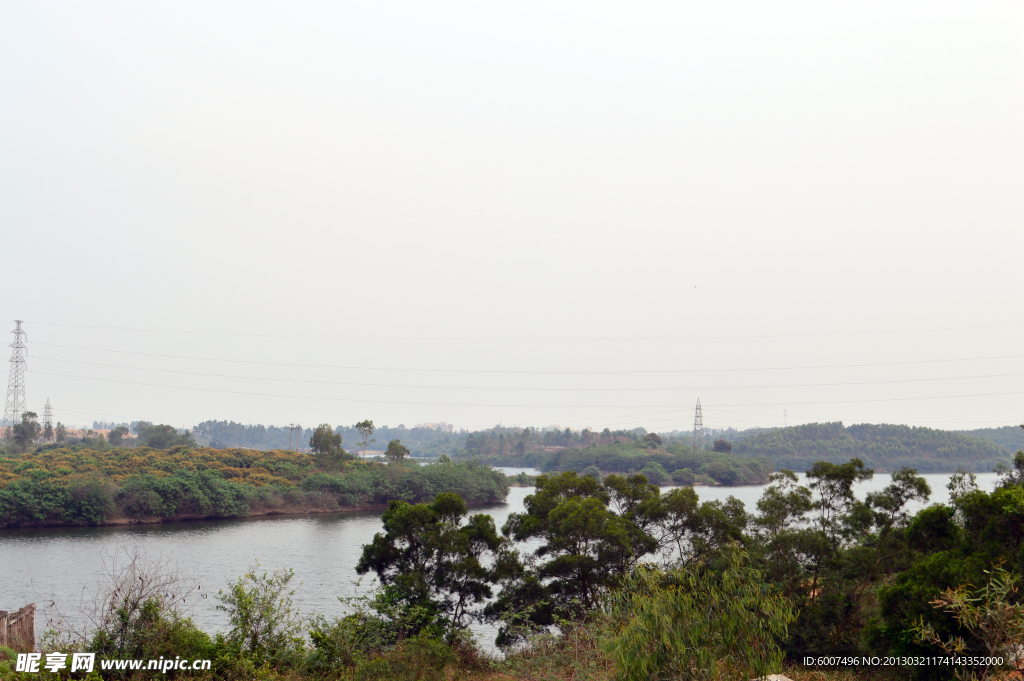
698 430
15 406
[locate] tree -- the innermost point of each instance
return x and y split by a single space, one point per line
654 439
583 541
163 437
365 429
326 445
61 433
48 432
722 445
116 435
397 451
428 560
26 432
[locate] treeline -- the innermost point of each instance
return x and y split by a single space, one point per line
86 487
1010 438
662 465
422 442
881 446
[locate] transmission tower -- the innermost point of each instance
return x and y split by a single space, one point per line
698 430
47 415
16 382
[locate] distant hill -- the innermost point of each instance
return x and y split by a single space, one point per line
880 446
1010 438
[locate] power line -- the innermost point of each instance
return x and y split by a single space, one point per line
463 387
565 339
535 372
536 406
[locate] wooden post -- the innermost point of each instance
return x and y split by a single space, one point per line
18 629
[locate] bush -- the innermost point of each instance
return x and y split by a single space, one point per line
655 473
264 626
683 476
696 623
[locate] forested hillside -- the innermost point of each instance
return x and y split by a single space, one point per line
879 446
1010 438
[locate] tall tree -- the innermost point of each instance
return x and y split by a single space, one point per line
365 429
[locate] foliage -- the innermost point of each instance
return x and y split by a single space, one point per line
889 446
64 486
699 623
25 433
431 561
163 437
631 457
116 435
327 450
993 614
264 624
396 451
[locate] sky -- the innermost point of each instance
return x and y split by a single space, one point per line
588 214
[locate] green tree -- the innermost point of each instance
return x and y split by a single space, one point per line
116 435
48 432
61 433
365 429
584 543
163 437
326 445
26 432
429 561
722 445
397 451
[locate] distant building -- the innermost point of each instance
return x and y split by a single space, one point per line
442 426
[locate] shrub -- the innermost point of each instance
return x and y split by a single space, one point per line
683 476
655 473
264 626
695 623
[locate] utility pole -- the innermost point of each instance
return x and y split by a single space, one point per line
698 429
291 429
15 406
785 414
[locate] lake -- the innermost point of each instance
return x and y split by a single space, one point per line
57 564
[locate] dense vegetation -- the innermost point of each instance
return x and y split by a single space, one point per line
87 487
1010 438
634 584
881 446
677 464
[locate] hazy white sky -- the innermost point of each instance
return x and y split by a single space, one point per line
433 202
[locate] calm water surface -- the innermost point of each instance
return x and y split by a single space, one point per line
58 564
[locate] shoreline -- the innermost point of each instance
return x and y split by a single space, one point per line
129 522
